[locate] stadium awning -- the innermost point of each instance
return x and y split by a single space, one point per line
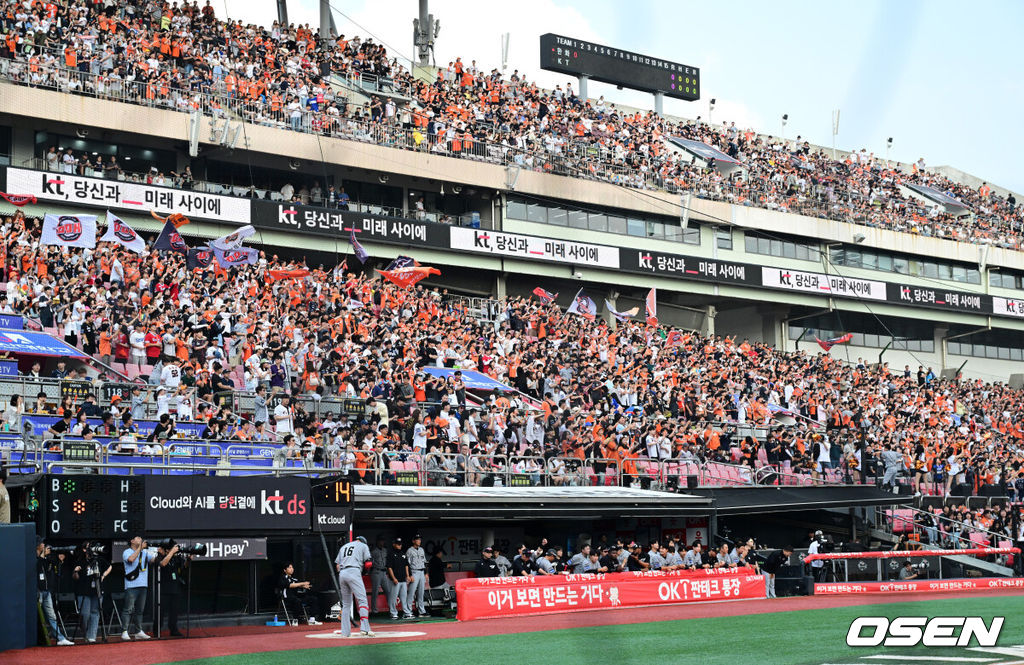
760 499
711 156
948 203
25 343
473 380
390 502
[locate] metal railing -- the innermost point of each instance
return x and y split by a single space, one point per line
947 532
242 191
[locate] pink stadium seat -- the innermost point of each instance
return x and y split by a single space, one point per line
902 520
1009 557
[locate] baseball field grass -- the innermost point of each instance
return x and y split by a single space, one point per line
809 637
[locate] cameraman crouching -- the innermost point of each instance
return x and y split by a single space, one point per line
172 582
46 587
908 571
90 569
295 595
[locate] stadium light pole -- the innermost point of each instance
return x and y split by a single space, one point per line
835 131
888 146
785 119
711 108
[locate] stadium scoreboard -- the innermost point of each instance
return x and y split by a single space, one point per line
91 507
577 57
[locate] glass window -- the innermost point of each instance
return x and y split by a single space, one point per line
998 279
794 332
750 243
789 250
596 222
853 258
869 260
764 246
857 339
839 256
655 230
929 269
803 252
991 351
536 213
900 265
973 276
871 340
1004 353
945 271
636 227
616 224
954 347
673 233
516 210
775 247
1016 354
577 219
928 346
959 274
558 216
723 238
691 236
885 262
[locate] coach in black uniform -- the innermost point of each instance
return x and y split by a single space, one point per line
771 566
486 567
398 579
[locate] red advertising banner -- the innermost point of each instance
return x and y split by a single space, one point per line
901 554
918 586
484 598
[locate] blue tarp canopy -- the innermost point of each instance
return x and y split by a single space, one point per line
36 344
951 204
473 380
704 151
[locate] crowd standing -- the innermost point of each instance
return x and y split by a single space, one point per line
182 56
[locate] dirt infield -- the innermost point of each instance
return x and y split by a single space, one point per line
223 641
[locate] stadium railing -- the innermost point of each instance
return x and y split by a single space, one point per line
575 158
249 192
950 533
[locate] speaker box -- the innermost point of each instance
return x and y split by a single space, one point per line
691 482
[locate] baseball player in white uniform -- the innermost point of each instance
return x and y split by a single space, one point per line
350 561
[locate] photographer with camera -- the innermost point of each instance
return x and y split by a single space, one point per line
295 595
171 575
89 571
47 568
136 560
819 544
909 571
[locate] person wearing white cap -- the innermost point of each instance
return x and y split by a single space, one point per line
351 560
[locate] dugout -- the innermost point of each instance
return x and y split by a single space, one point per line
252 524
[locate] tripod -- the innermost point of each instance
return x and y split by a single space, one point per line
83 619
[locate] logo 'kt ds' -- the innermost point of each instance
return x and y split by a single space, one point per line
911 631
275 504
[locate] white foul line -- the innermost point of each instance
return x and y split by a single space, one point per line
938 659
